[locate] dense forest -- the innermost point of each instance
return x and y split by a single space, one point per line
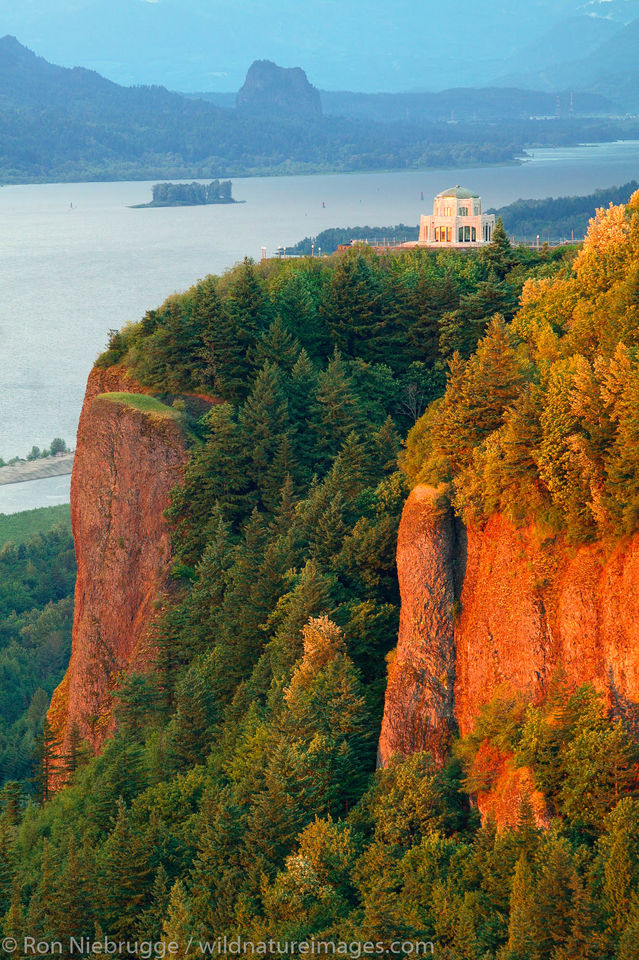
541 421
238 795
559 217
37 578
61 124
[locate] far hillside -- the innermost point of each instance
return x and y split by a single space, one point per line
559 217
20 527
554 218
60 124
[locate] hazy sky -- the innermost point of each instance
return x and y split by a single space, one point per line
353 44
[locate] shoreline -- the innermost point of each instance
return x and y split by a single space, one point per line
24 471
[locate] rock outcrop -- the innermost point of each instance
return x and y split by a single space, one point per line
501 609
130 452
278 92
419 708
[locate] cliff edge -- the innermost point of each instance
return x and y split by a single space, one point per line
419 705
524 608
130 452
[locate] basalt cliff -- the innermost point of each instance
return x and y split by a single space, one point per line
130 452
492 609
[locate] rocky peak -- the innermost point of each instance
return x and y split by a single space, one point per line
272 91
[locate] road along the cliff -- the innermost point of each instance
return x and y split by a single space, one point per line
58 466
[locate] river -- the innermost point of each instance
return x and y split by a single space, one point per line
77 261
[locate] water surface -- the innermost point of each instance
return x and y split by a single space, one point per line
76 261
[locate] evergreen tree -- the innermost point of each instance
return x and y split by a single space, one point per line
498 255
13 923
301 389
218 473
276 346
353 308
222 355
125 877
263 420
338 412
522 928
177 928
46 760
297 305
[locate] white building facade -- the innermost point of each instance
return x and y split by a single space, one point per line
456 221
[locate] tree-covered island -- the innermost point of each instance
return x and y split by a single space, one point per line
190 194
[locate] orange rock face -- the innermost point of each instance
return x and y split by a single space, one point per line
419 707
127 460
522 608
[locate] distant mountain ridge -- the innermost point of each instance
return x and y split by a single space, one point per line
610 67
59 123
363 44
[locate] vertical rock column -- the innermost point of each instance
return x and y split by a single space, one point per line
419 705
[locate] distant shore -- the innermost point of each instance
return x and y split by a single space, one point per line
58 466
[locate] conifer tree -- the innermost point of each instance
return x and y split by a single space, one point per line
177 927
218 872
352 470
71 907
6 869
338 412
46 760
126 876
284 469
620 855
157 911
12 802
423 302
263 419
498 255
276 346
77 752
297 305
522 926
218 473
352 307
301 390
13 922
194 716
309 596
222 355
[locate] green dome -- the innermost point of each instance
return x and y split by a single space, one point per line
458 192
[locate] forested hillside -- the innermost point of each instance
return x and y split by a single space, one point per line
238 795
62 124
559 217
36 614
541 422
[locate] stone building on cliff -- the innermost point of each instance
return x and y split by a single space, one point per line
456 221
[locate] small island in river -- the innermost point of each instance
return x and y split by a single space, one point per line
189 194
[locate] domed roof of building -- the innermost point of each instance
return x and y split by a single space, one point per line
458 192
